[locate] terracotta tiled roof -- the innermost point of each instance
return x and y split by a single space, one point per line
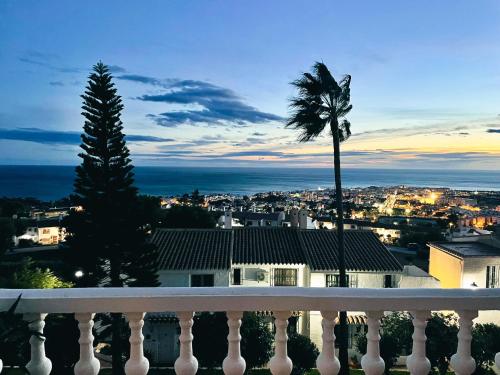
219 248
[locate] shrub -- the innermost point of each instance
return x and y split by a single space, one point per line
303 353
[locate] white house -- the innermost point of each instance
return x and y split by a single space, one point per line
269 257
44 232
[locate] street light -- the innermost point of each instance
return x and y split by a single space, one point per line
79 274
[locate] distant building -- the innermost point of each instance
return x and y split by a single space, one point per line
43 232
467 265
231 219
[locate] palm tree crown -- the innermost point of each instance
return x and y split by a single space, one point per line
321 101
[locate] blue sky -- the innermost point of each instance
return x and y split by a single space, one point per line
206 83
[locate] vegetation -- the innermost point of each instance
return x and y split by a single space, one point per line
210 345
187 217
321 104
303 353
107 239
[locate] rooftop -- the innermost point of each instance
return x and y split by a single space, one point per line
468 249
182 249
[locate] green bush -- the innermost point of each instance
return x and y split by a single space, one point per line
303 353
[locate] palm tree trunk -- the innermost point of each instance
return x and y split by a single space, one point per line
342 332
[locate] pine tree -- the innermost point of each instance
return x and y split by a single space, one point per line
107 240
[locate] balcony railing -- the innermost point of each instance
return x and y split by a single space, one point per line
135 302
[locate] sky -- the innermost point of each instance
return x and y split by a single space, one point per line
207 83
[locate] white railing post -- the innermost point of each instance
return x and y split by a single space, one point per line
371 362
327 363
497 360
88 364
417 362
137 364
39 364
234 364
462 361
186 364
1 366
280 363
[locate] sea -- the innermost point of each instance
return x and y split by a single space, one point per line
54 182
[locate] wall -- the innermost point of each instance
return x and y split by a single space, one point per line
182 278
446 268
249 274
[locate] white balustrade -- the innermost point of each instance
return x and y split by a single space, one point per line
371 362
35 304
137 364
234 364
462 361
186 364
417 362
327 363
88 364
39 364
280 363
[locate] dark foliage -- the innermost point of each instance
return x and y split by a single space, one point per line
210 339
485 344
303 353
187 217
107 239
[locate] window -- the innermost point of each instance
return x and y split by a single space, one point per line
285 277
492 276
388 281
334 281
237 276
202 280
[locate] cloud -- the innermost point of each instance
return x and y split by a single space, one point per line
201 103
493 131
56 83
257 134
116 69
59 137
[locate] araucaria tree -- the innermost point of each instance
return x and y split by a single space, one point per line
323 103
107 238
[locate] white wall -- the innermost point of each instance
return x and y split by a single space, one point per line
249 274
474 271
182 278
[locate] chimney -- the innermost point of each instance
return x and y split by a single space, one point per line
228 219
303 219
294 217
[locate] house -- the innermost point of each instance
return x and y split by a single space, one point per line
268 257
43 232
472 264
387 232
250 219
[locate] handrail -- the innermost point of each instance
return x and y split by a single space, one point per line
82 300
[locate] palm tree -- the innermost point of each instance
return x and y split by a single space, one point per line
321 104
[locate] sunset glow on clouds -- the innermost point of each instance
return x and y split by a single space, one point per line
208 84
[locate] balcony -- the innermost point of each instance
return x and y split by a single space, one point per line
135 302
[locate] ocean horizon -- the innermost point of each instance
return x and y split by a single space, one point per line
55 182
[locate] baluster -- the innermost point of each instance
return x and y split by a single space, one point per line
497 360
327 363
462 361
137 364
417 362
234 364
280 363
186 364
1 366
371 362
87 364
39 364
